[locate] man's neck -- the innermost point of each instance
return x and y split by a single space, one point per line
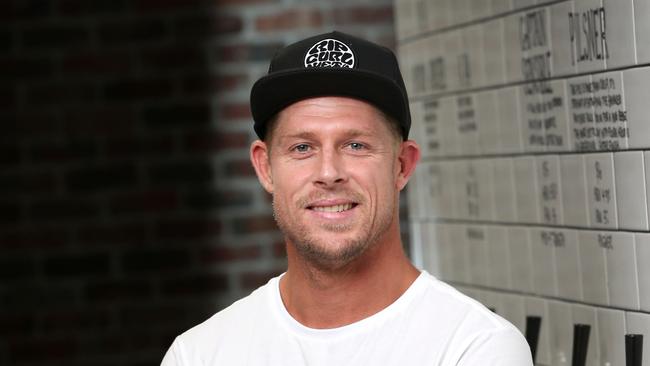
329 299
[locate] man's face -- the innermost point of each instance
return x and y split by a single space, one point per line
335 173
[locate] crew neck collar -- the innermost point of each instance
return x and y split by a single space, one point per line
383 315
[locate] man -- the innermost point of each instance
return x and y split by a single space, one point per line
332 115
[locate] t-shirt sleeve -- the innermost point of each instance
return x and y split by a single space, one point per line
503 347
173 357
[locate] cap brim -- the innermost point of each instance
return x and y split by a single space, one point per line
277 91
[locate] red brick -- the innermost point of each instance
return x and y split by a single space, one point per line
84 7
66 151
290 19
26 9
235 111
74 320
97 63
34 237
243 2
39 183
114 233
137 31
90 121
135 316
41 349
184 115
18 267
16 323
8 96
118 291
139 146
247 52
216 141
62 93
77 265
147 6
200 84
19 68
138 89
222 199
10 155
59 209
207 25
95 178
28 123
240 168
55 36
230 254
209 84
187 228
253 280
363 15
155 260
174 57
190 172
197 284
254 224
152 201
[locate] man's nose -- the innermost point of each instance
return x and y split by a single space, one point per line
331 169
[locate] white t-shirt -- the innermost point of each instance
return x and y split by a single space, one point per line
430 324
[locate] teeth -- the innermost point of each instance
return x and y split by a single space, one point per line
335 208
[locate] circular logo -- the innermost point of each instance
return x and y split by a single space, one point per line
329 53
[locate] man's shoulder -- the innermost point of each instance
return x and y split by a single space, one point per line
453 307
471 329
233 317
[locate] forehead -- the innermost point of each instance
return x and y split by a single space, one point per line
324 114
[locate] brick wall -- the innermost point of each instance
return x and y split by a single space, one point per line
128 208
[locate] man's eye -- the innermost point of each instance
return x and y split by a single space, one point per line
301 148
356 146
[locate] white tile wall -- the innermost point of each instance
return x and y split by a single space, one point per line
592 267
574 190
635 85
567 264
642 30
542 245
642 241
629 173
563 56
611 333
534 196
560 333
621 45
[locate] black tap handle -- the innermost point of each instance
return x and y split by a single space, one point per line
580 344
533 325
633 349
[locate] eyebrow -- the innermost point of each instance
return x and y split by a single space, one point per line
311 135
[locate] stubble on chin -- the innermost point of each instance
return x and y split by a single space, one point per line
321 250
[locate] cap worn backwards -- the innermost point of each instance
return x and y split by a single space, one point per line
335 64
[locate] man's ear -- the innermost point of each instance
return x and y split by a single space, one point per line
409 155
259 155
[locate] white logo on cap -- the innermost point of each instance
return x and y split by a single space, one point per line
330 53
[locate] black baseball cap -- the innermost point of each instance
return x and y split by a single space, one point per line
335 64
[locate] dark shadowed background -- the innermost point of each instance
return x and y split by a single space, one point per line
128 207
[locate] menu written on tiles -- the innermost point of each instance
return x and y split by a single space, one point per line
588 35
431 124
610 116
582 113
536 67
